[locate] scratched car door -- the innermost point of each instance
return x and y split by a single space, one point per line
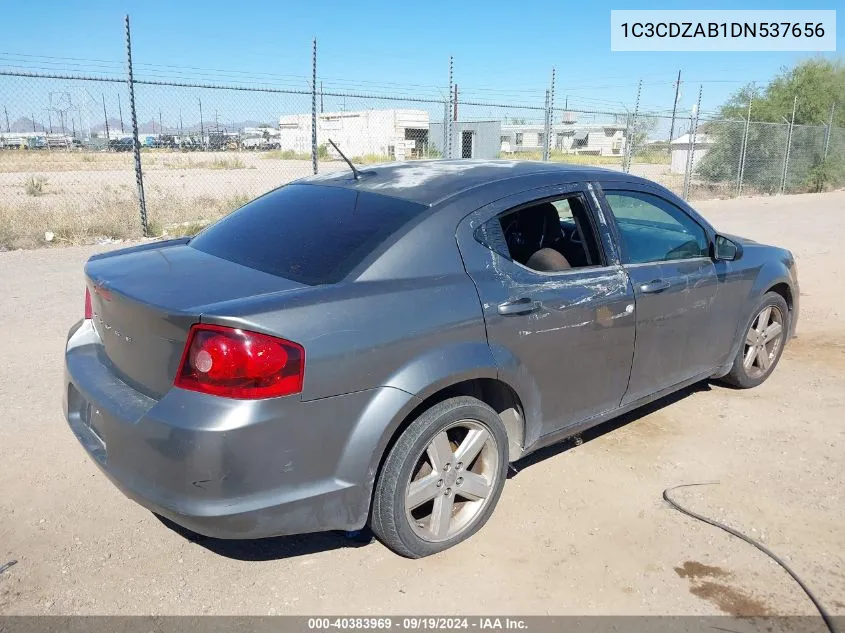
565 339
666 254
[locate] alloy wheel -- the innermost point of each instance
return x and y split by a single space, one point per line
763 341
452 481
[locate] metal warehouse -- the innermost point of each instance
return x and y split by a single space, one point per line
395 133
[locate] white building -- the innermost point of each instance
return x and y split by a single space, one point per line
680 149
394 133
601 139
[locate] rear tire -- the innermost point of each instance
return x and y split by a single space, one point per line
442 478
763 339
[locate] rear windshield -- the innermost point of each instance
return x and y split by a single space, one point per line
311 234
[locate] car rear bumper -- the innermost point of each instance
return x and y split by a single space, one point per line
229 468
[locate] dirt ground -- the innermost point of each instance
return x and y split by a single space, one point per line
579 530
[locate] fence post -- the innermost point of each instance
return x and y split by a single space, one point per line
629 145
829 131
744 147
443 154
449 108
106 121
136 145
691 152
546 130
674 111
788 144
551 114
314 106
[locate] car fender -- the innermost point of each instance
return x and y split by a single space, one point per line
392 403
514 374
770 274
441 367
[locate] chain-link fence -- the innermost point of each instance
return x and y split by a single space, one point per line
68 170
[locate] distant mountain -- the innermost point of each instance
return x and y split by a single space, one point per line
114 126
24 124
152 126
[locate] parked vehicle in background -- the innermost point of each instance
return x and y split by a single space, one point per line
378 347
120 144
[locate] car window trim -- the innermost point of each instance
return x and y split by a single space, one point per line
568 271
668 261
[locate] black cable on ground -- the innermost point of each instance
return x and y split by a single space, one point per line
825 615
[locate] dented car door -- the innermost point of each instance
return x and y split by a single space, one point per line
565 338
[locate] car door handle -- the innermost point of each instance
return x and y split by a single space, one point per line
523 305
655 285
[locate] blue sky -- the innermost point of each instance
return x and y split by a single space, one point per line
504 51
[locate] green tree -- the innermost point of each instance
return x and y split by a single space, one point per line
818 84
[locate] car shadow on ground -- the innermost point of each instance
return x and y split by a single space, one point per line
605 427
274 548
281 547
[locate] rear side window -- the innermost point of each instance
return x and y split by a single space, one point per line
310 234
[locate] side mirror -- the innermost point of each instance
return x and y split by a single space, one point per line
725 249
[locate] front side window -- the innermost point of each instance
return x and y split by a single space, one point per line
653 229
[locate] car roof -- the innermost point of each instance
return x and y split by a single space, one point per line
431 182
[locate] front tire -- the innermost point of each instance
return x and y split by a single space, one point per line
764 338
441 479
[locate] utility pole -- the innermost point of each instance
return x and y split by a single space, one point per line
321 97
34 131
106 120
675 107
160 125
50 121
120 112
455 114
8 128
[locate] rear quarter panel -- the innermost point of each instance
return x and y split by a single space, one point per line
413 330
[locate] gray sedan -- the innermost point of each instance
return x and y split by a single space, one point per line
375 348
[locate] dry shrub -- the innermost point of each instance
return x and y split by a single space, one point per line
110 213
104 215
34 185
15 161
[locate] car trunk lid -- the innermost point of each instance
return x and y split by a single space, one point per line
145 300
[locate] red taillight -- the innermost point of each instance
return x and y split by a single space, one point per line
236 363
89 311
